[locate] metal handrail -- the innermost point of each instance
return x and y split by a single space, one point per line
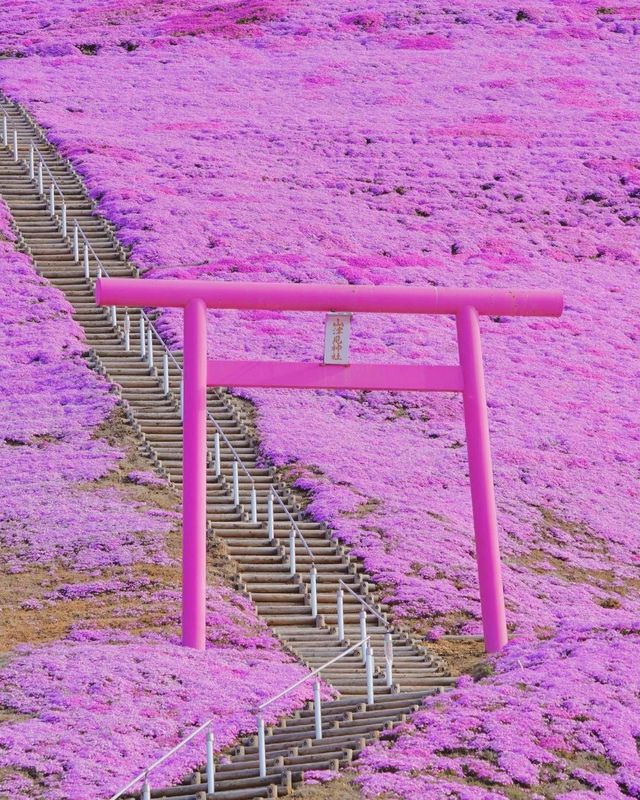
180 370
101 268
46 168
365 644
145 773
161 340
363 602
233 450
294 524
149 326
313 674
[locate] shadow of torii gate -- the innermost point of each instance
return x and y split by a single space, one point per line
466 377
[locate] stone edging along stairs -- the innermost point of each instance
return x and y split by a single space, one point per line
262 566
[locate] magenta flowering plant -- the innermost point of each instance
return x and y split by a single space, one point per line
146 478
389 143
82 714
556 720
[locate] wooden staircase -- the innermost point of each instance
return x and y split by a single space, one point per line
262 565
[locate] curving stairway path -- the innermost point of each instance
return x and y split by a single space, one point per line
262 566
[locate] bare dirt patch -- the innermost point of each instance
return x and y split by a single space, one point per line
30 615
340 789
463 657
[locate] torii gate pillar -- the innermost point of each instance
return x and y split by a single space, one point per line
194 476
483 500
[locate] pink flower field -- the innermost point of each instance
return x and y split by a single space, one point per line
382 142
100 696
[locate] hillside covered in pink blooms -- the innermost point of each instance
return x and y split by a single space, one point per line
426 144
116 689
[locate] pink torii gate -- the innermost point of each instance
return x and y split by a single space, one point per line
466 377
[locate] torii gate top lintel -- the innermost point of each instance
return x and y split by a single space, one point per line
155 292
466 377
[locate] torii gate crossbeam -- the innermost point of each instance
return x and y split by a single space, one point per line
466 377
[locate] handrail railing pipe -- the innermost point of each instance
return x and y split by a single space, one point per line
292 521
165 374
53 185
239 465
16 157
149 348
312 674
363 632
262 749
127 331
236 482
63 222
211 764
76 241
144 775
216 454
143 338
364 603
232 450
313 582
369 668
270 518
388 657
317 708
292 551
340 608
317 700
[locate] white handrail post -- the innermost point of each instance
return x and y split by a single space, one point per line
254 505
211 767
292 552
142 338
262 750
146 789
236 483
63 220
52 200
181 399
317 708
5 131
165 374
40 178
363 633
85 258
388 657
313 580
32 162
15 146
369 669
114 316
340 607
76 242
149 347
270 526
216 454
127 331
